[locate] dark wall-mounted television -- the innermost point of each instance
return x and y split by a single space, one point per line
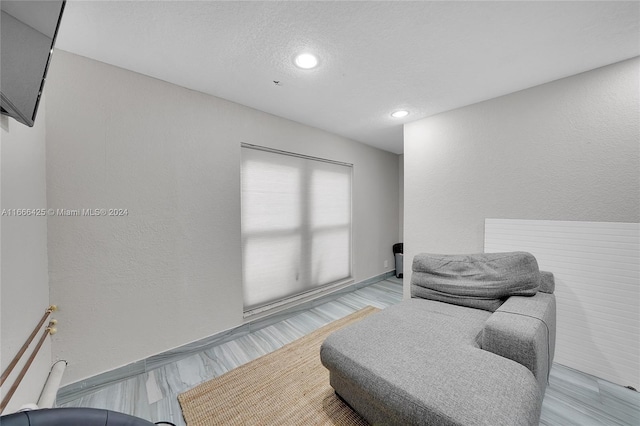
27 35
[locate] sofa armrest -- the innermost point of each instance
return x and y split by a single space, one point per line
523 329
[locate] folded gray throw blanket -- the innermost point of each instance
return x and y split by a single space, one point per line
482 281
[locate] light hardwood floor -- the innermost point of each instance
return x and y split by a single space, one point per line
572 397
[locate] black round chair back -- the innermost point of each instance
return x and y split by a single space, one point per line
72 417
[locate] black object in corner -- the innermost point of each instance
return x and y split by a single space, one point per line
398 253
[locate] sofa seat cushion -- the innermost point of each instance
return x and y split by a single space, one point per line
418 362
480 281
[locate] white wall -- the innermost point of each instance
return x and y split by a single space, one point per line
597 274
24 288
401 196
169 272
566 150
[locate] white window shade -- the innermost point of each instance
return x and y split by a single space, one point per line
296 225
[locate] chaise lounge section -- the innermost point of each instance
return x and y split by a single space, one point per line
479 354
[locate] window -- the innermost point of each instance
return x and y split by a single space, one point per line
296 226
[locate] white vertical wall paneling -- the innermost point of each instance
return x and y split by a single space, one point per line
597 271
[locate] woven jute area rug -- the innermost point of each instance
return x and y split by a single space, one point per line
286 387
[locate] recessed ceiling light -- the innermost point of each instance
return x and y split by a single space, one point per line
306 61
400 114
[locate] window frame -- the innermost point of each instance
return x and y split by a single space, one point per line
324 288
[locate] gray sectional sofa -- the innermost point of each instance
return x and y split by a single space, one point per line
473 346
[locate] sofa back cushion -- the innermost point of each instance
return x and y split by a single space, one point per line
547 282
482 281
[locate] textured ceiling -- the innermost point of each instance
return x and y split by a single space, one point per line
375 57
